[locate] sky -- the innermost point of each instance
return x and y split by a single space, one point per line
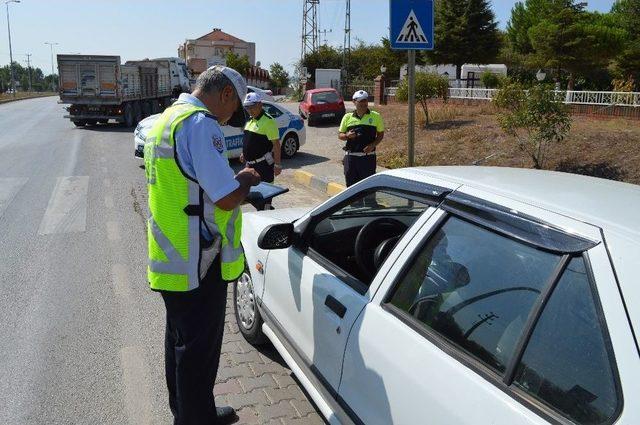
138 29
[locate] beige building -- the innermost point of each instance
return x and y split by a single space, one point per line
212 49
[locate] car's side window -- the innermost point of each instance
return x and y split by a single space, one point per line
358 237
475 288
566 363
272 111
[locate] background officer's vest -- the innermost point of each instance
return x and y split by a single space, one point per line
177 211
255 143
365 129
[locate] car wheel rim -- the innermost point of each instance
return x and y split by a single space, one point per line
290 146
245 301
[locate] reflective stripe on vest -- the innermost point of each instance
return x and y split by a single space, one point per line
173 235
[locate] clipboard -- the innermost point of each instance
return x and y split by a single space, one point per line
263 193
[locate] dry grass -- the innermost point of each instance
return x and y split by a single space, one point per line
465 134
24 95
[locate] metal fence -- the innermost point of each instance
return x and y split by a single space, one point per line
570 97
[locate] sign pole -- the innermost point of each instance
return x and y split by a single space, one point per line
412 103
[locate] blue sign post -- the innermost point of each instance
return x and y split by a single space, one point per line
411 28
411 24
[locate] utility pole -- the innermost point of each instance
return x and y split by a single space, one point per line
13 80
53 84
28 55
309 28
324 32
346 47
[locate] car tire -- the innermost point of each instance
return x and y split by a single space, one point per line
290 145
103 121
301 114
92 122
129 117
79 123
311 121
246 310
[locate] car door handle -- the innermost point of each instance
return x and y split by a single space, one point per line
336 306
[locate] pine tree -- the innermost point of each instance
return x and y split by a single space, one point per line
466 32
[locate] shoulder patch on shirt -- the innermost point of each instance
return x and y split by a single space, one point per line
218 142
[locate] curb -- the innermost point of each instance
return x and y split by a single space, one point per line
310 180
26 98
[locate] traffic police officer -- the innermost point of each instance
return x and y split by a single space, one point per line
194 235
261 143
363 130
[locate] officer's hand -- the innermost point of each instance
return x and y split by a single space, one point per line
369 148
251 174
241 158
351 134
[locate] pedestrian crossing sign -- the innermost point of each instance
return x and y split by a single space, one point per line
411 24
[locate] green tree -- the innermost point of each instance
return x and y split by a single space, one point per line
490 80
627 65
466 32
534 117
279 76
239 63
561 35
428 86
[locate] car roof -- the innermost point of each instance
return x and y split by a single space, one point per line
604 203
321 90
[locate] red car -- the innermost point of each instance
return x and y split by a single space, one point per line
321 104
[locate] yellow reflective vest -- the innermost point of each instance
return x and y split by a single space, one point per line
177 260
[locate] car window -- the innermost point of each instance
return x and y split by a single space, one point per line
271 110
334 236
475 288
566 363
325 97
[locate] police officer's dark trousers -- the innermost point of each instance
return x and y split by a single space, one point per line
358 168
193 340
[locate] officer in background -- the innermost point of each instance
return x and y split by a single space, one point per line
194 233
363 130
261 143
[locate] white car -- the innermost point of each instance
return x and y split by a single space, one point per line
266 94
291 127
454 295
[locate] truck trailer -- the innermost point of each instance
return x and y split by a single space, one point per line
99 88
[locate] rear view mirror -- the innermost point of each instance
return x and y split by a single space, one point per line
276 236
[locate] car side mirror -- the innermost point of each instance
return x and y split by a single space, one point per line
277 236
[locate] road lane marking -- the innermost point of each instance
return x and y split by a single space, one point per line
120 281
9 188
108 201
113 231
67 208
137 399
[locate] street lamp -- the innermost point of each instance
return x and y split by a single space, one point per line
13 81
53 86
541 75
383 69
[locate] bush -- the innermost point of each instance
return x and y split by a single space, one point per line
490 80
534 117
427 86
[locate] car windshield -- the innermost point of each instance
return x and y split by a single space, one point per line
325 97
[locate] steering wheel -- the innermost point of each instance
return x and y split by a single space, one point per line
371 235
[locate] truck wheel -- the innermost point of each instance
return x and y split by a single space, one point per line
155 106
79 123
167 102
137 112
289 145
129 118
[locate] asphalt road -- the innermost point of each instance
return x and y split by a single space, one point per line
82 335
